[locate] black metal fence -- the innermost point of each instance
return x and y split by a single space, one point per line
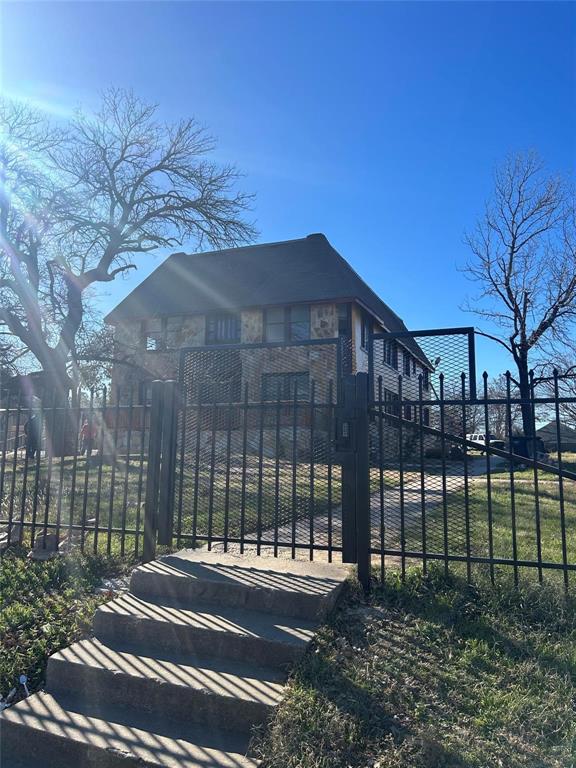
272 447
74 475
455 474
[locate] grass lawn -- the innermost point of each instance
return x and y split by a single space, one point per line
433 673
45 606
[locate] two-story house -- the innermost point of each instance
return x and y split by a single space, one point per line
284 292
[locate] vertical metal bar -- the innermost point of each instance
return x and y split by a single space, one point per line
244 468
560 480
24 489
76 427
153 472
330 464
363 511
127 471
14 465
422 475
512 488
311 501
7 416
261 407
401 478
114 457
168 464
278 413
536 480
50 449
466 483
381 474
212 472
294 469
488 481
40 417
199 412
472 363
101 442
227 474
88 449
64 416
444 485
182 462
144 421
371 387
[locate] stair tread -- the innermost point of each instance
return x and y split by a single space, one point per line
215 618
221 677
148 738
292 576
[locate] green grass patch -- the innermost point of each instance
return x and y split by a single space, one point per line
45 606
434 673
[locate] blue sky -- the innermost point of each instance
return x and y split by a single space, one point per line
378 124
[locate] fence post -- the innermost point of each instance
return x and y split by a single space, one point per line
153 472
168 463
362 454
344 445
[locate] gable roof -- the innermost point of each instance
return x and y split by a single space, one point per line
288 272
550 429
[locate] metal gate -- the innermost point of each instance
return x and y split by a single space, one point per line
277 448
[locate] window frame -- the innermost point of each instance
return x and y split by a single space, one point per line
212 319
287 323
287 395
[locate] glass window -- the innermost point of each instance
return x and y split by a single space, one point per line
223 328
287 323
364 330
174 332
152 334
408 412
343 319
275 324
391 354
407 364
284 386
299 323
425 378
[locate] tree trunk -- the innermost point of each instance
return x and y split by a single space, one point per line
58 419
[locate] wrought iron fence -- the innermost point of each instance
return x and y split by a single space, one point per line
455 474
73 475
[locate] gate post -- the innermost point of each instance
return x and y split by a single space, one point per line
352 445
168 463
363 521
153 472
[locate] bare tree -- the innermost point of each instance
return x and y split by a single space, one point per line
79 204
524 260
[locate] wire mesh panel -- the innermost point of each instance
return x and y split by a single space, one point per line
256 463
459 471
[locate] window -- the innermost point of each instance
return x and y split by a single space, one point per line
152 334
298 323
145 392
364 330
426 417
343 319
391 354
174 332
391 397
223 328
407 364
284 386
287 323
425 378
414 366
408 412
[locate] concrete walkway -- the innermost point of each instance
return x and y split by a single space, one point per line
179 670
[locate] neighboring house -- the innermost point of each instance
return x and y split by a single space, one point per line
549 437
286 292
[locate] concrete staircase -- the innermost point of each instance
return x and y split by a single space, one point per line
179 670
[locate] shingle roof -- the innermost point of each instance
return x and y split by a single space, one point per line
289 272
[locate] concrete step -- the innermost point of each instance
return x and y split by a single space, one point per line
235 694
285 587
205 630
61 732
